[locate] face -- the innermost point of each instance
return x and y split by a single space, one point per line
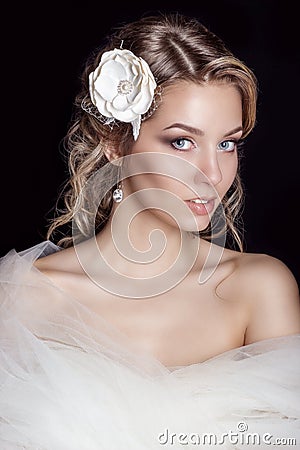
193 136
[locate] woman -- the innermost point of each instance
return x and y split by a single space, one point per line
141 328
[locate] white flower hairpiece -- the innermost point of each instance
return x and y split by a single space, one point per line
122 88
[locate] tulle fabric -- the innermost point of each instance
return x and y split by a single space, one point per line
70 381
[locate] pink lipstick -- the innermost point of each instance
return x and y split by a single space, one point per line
201 206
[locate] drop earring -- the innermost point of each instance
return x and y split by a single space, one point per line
118 192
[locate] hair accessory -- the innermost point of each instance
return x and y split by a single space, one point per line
87 106
157 99
121 88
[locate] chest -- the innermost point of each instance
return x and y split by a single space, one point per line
188 324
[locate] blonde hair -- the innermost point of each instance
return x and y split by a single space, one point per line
176 48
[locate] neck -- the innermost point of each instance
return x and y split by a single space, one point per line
144 243
145 256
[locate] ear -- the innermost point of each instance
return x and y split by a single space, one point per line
111 154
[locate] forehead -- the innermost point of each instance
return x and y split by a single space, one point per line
200 104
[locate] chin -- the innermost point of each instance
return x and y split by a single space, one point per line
201 225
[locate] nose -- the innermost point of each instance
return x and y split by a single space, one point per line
208 165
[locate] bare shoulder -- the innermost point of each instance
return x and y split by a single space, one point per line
271 294
265 275
58 260
60 267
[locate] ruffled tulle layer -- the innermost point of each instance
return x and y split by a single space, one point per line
70 381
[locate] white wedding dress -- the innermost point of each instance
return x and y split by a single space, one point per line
70 381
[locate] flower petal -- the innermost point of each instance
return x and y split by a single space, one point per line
120 102
142 103
132 96
102 107
106 87
124 116
113 70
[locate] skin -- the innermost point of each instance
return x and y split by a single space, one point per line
249 297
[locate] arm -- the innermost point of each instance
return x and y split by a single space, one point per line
274 306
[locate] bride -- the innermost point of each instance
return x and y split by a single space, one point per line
146 325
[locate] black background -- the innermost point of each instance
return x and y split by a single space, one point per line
43 52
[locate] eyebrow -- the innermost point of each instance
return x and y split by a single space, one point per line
199 132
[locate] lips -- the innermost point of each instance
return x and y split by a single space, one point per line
201 206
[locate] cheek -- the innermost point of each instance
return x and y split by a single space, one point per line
148 181
229 169
156 170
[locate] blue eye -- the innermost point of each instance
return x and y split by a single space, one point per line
182 144
227 146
